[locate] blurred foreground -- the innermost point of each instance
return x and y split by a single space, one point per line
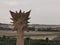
28 41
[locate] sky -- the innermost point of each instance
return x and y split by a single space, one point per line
42 11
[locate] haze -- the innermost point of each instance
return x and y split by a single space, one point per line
43 11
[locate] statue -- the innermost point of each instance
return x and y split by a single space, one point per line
20 23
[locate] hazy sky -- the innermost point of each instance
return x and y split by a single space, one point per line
43 11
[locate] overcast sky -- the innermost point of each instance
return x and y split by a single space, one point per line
43 11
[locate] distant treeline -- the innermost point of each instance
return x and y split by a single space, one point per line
43 29
34 29
2 28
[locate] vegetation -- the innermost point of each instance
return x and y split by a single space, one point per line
49 30
7 41
12 41
41 42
